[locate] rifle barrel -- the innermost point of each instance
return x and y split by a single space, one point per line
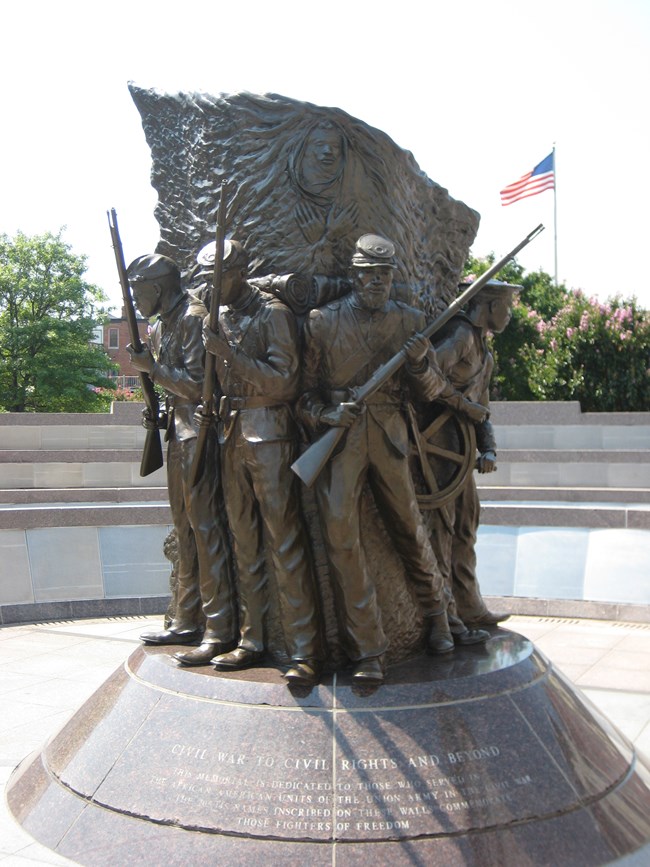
210 376
152 458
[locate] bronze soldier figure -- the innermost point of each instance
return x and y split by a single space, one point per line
467 363
344 342
258 367
177 364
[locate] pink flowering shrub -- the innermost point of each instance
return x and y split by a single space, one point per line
121 394
597 353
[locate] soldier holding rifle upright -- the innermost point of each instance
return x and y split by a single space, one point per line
344 342
177 364
258 367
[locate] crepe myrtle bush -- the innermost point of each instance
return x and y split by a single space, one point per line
595 352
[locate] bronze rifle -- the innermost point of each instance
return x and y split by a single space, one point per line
309 465
152 456
209 380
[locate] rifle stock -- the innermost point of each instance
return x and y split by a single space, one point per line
309 465
152 456
209 379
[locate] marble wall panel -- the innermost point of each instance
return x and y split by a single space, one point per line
529 474
65 437
65 563
16 476
524 436
106 475
626 436
617 567
551 562
157 479
133 563
20 437
577 436
58 475
116 437
496 552
15 575
632 475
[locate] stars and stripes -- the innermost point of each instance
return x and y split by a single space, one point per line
541 178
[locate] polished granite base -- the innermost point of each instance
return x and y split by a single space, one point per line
487 758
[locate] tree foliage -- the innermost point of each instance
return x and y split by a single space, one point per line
563 345
48 314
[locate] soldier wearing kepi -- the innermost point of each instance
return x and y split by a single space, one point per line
258 368
467 363
177 364
345 341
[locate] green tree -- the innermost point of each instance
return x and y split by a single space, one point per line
48 314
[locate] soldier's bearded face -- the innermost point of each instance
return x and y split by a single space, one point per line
373 286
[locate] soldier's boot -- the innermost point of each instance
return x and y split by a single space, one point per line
439 638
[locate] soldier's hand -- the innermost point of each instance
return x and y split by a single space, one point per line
215 343
341 414
487 462
149 423
210 339
474 412
158 423
416 349
200 418
142 361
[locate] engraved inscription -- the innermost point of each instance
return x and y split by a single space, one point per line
368 795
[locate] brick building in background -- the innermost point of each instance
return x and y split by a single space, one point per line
114 338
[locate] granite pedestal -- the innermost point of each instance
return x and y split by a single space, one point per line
489 757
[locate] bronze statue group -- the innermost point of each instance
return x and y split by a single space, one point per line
274 381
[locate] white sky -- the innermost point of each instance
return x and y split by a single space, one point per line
478 90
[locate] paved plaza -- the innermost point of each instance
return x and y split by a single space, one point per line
47 671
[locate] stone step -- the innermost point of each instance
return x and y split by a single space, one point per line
83 469
497 493
68 456
101 512
572 468
20 496
98 514
557 514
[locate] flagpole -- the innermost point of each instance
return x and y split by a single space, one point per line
555 213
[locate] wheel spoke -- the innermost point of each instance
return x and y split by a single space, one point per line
444 453
436 424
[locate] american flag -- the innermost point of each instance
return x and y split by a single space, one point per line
541 178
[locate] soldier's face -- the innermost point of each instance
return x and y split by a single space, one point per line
231 285
499 316
373 286
146 297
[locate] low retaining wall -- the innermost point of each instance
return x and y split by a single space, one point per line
565 521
